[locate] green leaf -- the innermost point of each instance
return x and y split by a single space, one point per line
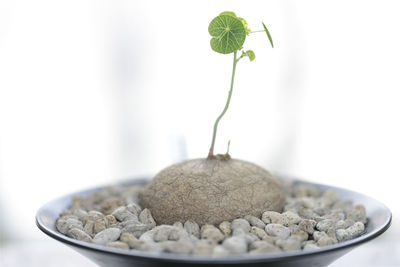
250 54
245 25
228 34
229 13
268 34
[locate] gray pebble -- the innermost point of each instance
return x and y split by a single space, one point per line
291 243
118 244
79 235
220 251
134 208
240 224
254 221
88 228
178 224
326 241
277 230
145 217
192 228
300 234
211 232
107 235
275 218
343 224
260 233
310 246
99 225
351 232
291 217
326 224
225 227
307 225
168 232
203 247
358 214
123 214
64 225
135 228
235 245
131 240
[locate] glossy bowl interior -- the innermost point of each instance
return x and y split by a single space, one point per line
379 219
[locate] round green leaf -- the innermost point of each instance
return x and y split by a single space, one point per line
250 54
228 34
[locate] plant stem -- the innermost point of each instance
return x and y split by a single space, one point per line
235 61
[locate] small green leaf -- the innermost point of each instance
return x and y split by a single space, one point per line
245 25
229 13
228 34
268 34
250 54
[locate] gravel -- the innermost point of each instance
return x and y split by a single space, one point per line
310 219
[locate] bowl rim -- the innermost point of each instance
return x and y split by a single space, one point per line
177 258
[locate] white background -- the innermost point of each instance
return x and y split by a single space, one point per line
95 91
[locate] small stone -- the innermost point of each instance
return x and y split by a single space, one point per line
118 244
80 213
254 221
326 241
225 227
300 234
211 232
110 204
289 244
278 230
192 228
308 213
99 225
178 224
134 208
240 224
343 224
135 228
307 225
358 214
79 234
335 215
306 190
111 220
203 247
88 228
317 235
64 225
168 232
326 224
123 214
235 245
93 215
291 217
270 239
275 218
131 240
107 235
220 251
351 232
310 246
260 233
146 218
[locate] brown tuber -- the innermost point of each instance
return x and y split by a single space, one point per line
210 191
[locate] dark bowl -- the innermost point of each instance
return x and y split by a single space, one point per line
379 219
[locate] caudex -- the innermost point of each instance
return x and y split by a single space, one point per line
228 36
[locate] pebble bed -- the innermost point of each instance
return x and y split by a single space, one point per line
311 219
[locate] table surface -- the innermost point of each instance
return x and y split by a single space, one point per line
383 251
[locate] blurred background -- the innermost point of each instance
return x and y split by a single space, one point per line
92 92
